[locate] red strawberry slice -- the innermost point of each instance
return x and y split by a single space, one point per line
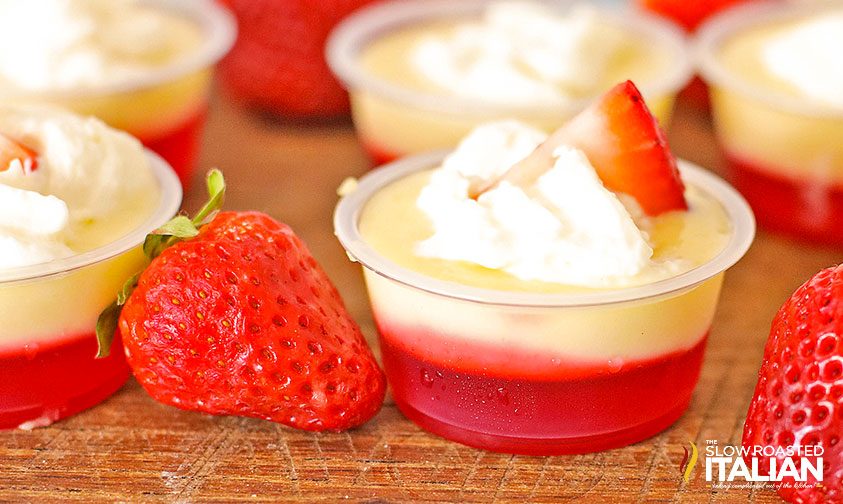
798 400
11 150
626 146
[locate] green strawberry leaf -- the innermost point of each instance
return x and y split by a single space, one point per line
128 288
179 228
106 327
216 193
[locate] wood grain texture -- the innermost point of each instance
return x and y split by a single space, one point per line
131 448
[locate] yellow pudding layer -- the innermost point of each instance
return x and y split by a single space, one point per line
398 128
392 224
777 129
63 306
741 55
147 112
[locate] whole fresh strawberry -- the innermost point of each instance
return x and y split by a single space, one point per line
799 397
277 63
237 318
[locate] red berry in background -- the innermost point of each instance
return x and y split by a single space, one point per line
277 63
799 397
688 13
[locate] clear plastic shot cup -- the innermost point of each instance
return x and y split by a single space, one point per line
785 152
167 107
495 369
393 119
48 313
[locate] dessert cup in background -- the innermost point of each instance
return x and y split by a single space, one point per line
49 307
539 372
164 105
398 111
778 127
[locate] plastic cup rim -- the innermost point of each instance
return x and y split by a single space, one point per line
353 33
347 213
170 198
217 24
744 18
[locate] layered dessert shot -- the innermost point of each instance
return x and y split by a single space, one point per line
546 294
777 92
421 74
77 199
143 66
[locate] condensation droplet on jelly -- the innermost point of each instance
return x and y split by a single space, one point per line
426 379
503 396
30 350
615 364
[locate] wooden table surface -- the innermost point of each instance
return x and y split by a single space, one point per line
131 448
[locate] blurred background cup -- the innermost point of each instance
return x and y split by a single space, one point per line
167 106
784 148
395 118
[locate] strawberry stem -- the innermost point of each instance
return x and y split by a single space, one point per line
179 228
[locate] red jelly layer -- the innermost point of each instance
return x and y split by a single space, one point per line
43 383
804 208
610 407
180 144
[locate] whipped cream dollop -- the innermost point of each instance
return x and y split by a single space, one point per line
520 53
566 227
808 57
92 184
63 44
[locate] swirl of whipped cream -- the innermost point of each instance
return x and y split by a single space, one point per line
565 228
520 53
92 185
807 56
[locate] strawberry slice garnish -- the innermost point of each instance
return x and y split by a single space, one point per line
624 143
11 151
629 150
